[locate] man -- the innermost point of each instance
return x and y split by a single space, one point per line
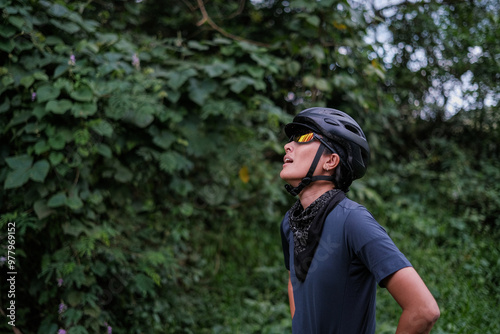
334 249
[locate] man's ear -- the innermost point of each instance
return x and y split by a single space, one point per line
332 162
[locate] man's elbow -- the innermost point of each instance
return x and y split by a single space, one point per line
434 313
430 314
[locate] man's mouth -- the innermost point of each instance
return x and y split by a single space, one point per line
287 160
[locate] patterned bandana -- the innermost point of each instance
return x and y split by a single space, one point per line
307 226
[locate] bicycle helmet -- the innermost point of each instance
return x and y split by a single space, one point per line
342 135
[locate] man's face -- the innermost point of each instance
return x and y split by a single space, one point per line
297 161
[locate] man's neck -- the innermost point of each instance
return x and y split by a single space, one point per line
313 191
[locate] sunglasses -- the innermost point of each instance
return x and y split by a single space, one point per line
309 137
303 138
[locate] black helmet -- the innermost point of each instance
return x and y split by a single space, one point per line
343 133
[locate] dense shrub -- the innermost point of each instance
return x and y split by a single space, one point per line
140 152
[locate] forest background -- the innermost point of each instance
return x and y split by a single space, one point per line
141 144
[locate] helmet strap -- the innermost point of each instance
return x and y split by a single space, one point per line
294 191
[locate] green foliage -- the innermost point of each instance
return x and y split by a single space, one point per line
141 147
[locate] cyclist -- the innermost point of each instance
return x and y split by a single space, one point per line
335 251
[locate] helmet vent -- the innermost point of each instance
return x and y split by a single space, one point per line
331 121
351 128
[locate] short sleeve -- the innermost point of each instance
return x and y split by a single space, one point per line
369 241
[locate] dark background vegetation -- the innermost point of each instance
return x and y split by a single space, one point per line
141 143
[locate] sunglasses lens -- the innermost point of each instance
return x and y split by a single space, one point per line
303 138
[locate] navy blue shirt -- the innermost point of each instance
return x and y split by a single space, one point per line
354 254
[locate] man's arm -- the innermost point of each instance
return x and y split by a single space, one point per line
290 296
420 310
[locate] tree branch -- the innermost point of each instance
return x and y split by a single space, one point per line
188 4
241 5
206 19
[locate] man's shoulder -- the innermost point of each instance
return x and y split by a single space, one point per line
353 215
349 204
349 207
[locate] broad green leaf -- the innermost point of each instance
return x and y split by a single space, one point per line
8 79
249 47
57 142
47 93
173 161
293 67
58 10
5 105
222 40
74 228
173 96
316 51
39 111
83 151
7 45
178 78
7 31
69 27
82 94
16 21
55 158
102 127
34 128
181 186
59 106
39 170
20 116
57 200
255 71
27 81
40 76
238 84
197 46
200 91
22 162
168 162
64 84
343 80
107 38
74 202
81 137
74 298
322 84
144 284
91 26
164 139
16 178
104 150
313 20
83 110
262 59
113 57
60 70
143 117
53 40
75 17
96 197
217 68
41 147
41 209
123 174
78 329
225 108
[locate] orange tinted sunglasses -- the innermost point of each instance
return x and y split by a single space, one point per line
304 138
